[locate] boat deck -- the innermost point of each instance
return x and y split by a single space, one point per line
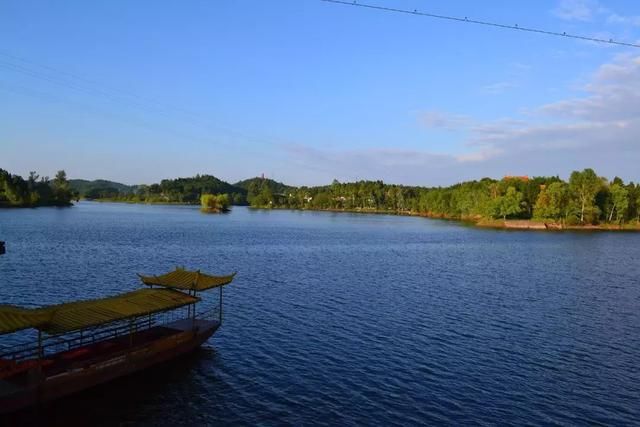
6 388
189 324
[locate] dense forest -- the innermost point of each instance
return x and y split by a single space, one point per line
182 190
585 198
179 190
264 192
16 191
100 188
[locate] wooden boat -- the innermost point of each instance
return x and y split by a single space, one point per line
85 343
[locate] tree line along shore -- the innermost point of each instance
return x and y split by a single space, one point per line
35 190
585 201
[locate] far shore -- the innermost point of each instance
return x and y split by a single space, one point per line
509 224
540 225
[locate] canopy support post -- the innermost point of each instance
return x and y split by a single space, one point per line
40 351
189 306
220 308
193 317
131 333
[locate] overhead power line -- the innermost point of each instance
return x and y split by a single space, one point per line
120 97
487 23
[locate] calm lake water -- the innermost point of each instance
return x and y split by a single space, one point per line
348 319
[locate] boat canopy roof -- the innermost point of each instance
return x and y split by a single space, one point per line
187 280
13 318
77 315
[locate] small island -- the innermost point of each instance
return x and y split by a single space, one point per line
214 203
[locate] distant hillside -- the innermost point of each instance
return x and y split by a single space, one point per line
189 190
178 190
255 185
262 191
100 188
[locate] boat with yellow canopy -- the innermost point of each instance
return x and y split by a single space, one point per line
82 344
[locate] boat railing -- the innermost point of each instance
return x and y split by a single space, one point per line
211 315
69 341
52 344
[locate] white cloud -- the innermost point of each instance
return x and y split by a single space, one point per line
499 87
576 10
613 95
599 130
520 66
607 118
389 164
589 10
478 156
614 18
442 120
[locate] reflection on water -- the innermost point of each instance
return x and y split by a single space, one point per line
351 319
125 401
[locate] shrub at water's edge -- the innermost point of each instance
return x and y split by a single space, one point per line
214 203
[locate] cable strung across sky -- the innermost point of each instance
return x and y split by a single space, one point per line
490 24
118 96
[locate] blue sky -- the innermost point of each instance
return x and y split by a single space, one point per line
306 91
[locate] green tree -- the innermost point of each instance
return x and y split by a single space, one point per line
60 182
619 201
543 207
264 199
508 204
553 202
61 190
215 202
584 187
321 200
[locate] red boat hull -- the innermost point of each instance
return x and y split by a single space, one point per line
42 386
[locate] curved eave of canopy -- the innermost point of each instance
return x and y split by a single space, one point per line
187 280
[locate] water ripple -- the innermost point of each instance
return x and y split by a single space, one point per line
341 319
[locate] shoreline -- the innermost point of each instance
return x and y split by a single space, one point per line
52 205
540 225
479 222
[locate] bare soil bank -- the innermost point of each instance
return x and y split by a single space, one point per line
510 224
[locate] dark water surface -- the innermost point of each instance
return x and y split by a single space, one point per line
345 319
